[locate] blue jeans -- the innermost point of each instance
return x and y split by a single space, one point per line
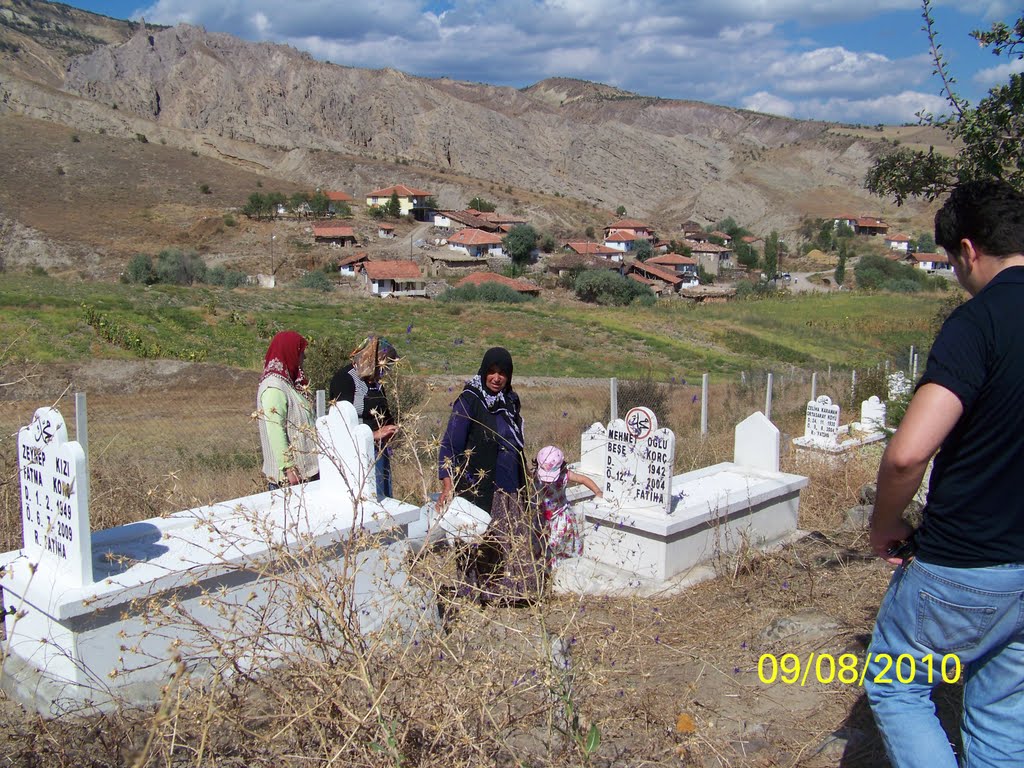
382 473
976 614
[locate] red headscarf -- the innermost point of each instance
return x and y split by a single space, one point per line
282 359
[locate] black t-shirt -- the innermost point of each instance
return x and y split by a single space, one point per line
975 511
374 411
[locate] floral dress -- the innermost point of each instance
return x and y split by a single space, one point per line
565 530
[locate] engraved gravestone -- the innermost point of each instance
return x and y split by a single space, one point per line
822 423
54 500
638 470
899 385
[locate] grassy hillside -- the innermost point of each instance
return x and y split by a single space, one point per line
47 320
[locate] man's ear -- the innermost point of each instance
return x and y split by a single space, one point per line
968 252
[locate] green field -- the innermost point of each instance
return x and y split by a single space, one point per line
47 320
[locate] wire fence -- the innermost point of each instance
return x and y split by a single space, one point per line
163 449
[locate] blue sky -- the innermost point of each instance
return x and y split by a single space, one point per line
861 62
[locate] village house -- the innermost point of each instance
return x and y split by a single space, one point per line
385 231
847 219
333 234
469 218
446 261
870 225
410 200
393 278
337 200
519 286
476 242
662 279
683 266
502 222
638 229
350 265
622 240
710 257
590 248
570 261
690 228
897 243
930 262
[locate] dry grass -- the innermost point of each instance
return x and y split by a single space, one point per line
670 680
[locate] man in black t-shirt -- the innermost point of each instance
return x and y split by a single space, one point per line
955 606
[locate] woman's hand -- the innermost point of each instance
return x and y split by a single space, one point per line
446 492
385 433
292 476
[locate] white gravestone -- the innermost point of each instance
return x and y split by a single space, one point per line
638 463
196 584
899 385
346 454
54 501
872 414
822 423
757 443
593 443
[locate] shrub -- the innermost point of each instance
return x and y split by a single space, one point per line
874 272
489 292
229 220
205 189
74 138
174 267
141 138
644 392
608 288
140 270
315 281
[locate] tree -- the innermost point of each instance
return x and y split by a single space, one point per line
771 255
988 135
620 211
519 243
296 201
924 243
746 255
275 199
256 207
484 206
840 273
644 250
393 207
319 203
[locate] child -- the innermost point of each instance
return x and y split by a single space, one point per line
565 534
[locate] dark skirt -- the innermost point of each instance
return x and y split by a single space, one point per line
508 561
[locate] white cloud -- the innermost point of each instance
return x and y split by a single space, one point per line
762 101
895 108
779 56
998 75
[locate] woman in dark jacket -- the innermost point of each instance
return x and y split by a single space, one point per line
482 459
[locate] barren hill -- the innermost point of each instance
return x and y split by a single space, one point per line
562 151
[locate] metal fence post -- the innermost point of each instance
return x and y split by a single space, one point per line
82 435
768 397
704 405
321 403
814 386
614 402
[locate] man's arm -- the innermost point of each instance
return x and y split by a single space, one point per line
930 417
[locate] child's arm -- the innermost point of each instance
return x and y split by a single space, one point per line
584 480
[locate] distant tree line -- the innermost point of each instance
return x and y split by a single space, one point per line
175 267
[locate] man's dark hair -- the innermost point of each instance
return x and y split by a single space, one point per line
989 213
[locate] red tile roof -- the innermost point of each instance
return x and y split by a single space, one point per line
401 189
470 236
591 248
333 231
339 197
392 270
476 278
470 218
938 258
696 247
620 236
897 238
672 260
653 270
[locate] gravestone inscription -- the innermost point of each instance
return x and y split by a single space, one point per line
822 422
54 499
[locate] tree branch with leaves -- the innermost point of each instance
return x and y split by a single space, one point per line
989 136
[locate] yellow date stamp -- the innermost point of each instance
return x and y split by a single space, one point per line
850 669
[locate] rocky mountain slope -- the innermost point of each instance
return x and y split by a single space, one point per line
554 150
